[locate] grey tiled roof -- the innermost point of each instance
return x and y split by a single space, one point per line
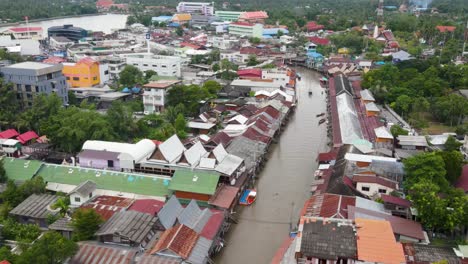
190 214
329 240
170 211
131 224
199 252
85 188
35 206
62 224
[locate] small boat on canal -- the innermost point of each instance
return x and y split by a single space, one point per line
322 121
321 114
310 91
248 197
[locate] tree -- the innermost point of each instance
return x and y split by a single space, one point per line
85 223
179 31
403 104
149 74
180 126
425 166
213 87
3 176
72 100
280 33
62 203
451 109
5 254
13 230
215 67
255 40
131 20
130 76
452 144
453 161
120 118
51 248
252 61
9 106
397 130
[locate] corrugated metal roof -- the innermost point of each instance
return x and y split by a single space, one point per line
179 240
85 188
92 253
195 153
200 251
172 149
170 211
190 214
229 164
35 206
219 152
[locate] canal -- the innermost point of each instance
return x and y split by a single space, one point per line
284 183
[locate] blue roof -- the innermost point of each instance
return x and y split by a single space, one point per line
314 54
274 31
380 63
125 90
172 24
267 36
135 90
162 18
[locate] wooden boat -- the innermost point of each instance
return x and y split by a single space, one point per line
321 114
322 121
310 91
248 197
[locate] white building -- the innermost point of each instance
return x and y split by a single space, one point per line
204 8
246 29
116 65
58 42
223 42
82 193
104 74
372 185
162 65
154 96
278 76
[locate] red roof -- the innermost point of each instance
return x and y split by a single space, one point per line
328 205
107 206
179 239
104 3
319 41
271 111
446 28
224 197
374 179
395 200
326 156
25 29
221 138
10 133
190 45
254 15
313 26
254 135
89 253
25 137
88 61
282 250
5 262
250 73
149 206
54 60
462 182
213 225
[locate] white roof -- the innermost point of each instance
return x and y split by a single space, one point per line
10 142
324 166
262 92
349 122
229 164
366 158
172 149
195 153
219 152
234 129
289 98
412 141
239 118
370 205
200 125
438 139
365 63
382 132
367 95
250 83
372 107
139 151
207 163
205 138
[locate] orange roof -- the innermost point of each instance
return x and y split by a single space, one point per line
376 242
88 61
182 17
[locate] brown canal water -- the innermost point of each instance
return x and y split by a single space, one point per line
284 183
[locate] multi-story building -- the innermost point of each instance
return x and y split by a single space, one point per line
246 29
32 78
204 8
162 65
253 17
230 16
68 31
84 73
25 32
223 42
154 96
116 65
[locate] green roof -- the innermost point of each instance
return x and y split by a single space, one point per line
159 78
20 169
194 181
106 180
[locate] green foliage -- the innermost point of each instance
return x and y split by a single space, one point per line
62 203
149 74
72 100
180 126
9 106
42 109
216 67
179 31
254 40
14 195
130 75
3 177
213 87
51 248
190 96
252 61
431 208
425 166
397 130
120 119
351 40
13 230
403 22
85 223
453 161
451 109
452 144
5 254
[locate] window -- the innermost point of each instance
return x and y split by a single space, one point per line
155 66
27 88
68 78
77 199
110 163
382 191
90 194
76 78
94 78
49 76
106 72
164 66
146 65
365 188
37 89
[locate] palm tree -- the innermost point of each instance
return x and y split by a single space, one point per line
62 204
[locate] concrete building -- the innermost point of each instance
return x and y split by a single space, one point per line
204 8
224 42
230 16
84 73
246 29
154 96
68 31
32 78
162 65
58 42
24 32
116 65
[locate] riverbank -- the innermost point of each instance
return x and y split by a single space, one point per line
284 183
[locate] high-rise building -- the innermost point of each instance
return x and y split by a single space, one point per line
203 8
32 78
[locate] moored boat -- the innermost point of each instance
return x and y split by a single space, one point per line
321 114
322 121
248 197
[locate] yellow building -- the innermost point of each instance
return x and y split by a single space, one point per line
181 18
84 73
